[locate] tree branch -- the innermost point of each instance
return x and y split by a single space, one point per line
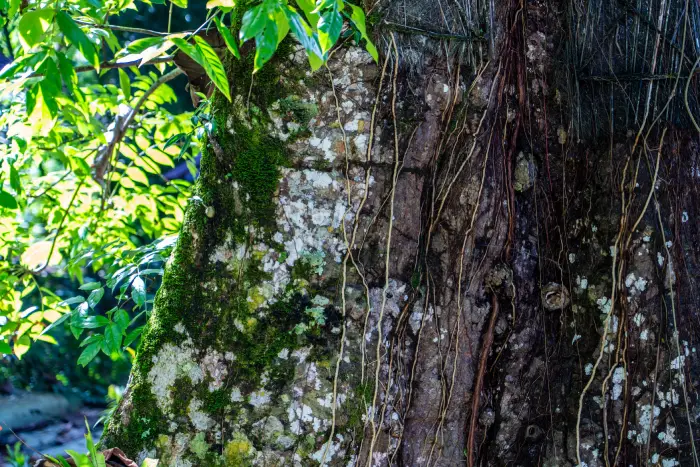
112 27
121 125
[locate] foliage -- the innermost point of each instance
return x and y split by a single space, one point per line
15 457
86 134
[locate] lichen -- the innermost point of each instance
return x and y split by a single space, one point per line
221 348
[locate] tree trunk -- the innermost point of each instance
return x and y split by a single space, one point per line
479 251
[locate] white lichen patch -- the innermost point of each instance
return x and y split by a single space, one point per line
678 362
634 284
200 419
668 436
259 398
644 423
311 210
328 451
604 305
214 365
227 253
617 380
170 363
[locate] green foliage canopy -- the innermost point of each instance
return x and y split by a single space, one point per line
85 135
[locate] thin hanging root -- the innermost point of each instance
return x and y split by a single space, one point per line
621 271
368 158
685 95
606 326
478 383
466 159
675 336
349 245
387 253
617 272
415 360
626 411
459 302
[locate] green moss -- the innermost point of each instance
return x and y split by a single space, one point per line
298 111
199 446
237 452
211 300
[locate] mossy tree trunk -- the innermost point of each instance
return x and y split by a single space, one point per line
481 250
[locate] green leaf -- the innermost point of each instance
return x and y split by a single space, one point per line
94 322
125 83
137 175
132 336
358 19
7 200
155 51
308 6
254 22
113 337
303 32
58 460
221 4
315 61
227 36
60 320
95 297
21 346
33 25
5 348
265 45
14 179
75 35
213 66
9 70
41 107
96 457
81 460
13 8
69 76
78 317
121 318
329 28
90 286
72 301
189 49
282 24
132 51
180 3
92 339
138 291
86 357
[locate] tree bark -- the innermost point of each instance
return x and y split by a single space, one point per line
479 251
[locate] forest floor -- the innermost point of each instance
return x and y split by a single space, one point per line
46 423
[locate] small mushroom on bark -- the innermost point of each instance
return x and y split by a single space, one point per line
555 296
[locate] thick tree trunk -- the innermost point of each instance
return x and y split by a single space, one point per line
481 250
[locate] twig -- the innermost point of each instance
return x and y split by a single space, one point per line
112 27
113 65
60 226
121 125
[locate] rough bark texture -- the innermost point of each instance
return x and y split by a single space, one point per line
481 250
